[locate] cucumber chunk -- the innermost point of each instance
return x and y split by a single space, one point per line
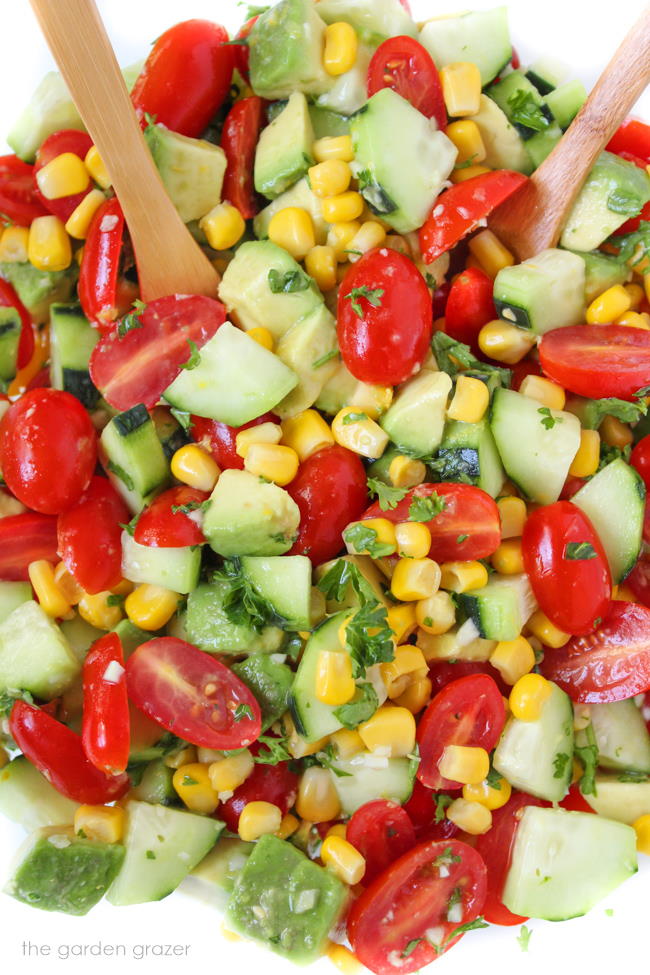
616 798
505 91
13 595
500 609
133 458
566 101
621 735
504 147
10 328
172 568
34 654
285 581
468 451
209 627
312 718
543 293
72 340
156 785
373 20
214 879
480 36
367 777
27 798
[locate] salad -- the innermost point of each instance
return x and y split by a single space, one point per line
331 591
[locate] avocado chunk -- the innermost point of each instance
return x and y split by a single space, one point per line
192 170
208 626
415 421
504 147
285 901
269 681
249 516
373 20
59 871
34 654
286 51
601 272
283 152
26 797
305 349
39 289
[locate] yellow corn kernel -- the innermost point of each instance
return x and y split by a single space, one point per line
257 819
339 236
343 860
341 45
634 320
297 746
320 264
461 176
635 291
528 696
413 540
488 250
358 432
293 229
463 576
614 433
64 175
347 743
329 178
100 824
390 728
95 166
342 208
544 391
466 136
343 959
306 433
492 797
184 756
48 246
370 235
52 600
471 400
13 245
512 513
505 342
508 558
317 800
67 584
416 696
338 829
95 609
79 221
151 607
262 433
404 472
646 285
408 662
401 620
371 400
415 579
223 226
229 773
540 626
272 461
333 147
288 826
472 817
586 461
193 786
437 614
334 681
194 466
123 588
609 305
461 88
464 763
641 827
513 659
262 336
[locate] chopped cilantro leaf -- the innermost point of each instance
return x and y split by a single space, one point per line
597 409
132 320
275 751
587 755
289 282
195 357
361 708
317 363
524 937
579 551
461 538
7 699
493 779
354 418
242 604
114 599
411 946
442 800
446 858
365 541
185 509
150 855
560 763
372 295
424 509
525 111
182 417
243 711
452 357
369 638
188 780
388 497
327 759
548 420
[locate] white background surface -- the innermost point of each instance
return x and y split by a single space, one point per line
583 34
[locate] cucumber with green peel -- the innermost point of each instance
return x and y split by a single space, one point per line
313 719
10 329
367 776
504 147
133 458
49 667
172 568
27 798
72 340
546 74
500 609
542 293
566 101
468 452
514 88
208 626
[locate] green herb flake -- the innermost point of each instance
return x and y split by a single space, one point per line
453 357
424 509
548 420
369 638
194 359
150 855
446 858
7 699
327 759
114 600
365 541
372 295
442 800
626 203
132 320
187 508
275 751
411 946
361 708
461 538
525 111
243 711
523 939
242 604
494 779
288 283
183 418
597 409
560 763
632 776
389 497
579 551
587 755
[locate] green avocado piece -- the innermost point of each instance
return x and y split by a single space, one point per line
250 516
269 681
283 152
305 349
39 289
286 51
208 626
191 169
415 420
34 654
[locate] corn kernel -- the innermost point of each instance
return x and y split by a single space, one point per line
193 786
100 824
586 461
413 539
334 681
391 728
464 763
471 400
317 800
437 614
95 166
415 579
343 959
52 600
416 696
359 433
262 433
508 558
609 305
343 207
461 88
370 235
227 774
306 433
641 827
333 147
195 467
614 433
4 757
329 178
223 226
339 237
513 659
646 285
288 826
505 342
338 829
488 250
272 461
544 391
347 743
262 336
512 514
184 756
320 264
636 294
490 796
67 584
151 607
461 176
463 576
65 175
541 627
343 860
341 45
401 620
297 746
371 400
258 819
407 664
404 472
634 320
48 246
528 696
13 245
466 136
472 817
293 229
79 221
95 609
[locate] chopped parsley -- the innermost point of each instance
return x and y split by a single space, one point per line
523 939
336 581
7 699
361 708
365 541
452 357
461 538
242 604
317 363
369 638
243 711
150 855
114 600
633 247
411 946
424 509
525 111
579 551
587 755
442 800
130 528
372 295
389 497
474 925
182 417
132 320
493 779
327 759
188 780
625 202
123 475
560 763
548 420
194 359
597 409
445 859
467 162
275 751
289 282
187 508
354 418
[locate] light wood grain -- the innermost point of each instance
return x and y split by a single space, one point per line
533 218
168 258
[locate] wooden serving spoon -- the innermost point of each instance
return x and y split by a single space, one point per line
533 218
169 259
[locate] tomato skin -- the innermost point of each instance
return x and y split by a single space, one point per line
633 136
19 200
442 672
57 752
66 140
160 527
572 592
459 209
403 64
468 711
100 265
470 306
48 450
640 460
638 580
468 511
221 440
167 680
9 299
105 727
421 809
575 801
389 342
269 783
610 664
597 360
381 831
242 54
239 140
89 536
25 538
408 899
186 77
330 490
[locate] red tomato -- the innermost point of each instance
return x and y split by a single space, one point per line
66 140
571 486
640 460
160 526
597 360
459 209
19 201
403 64
637 582
48 450
330 490
514 59
384 318
57 752
239 140
267 783
468 512
610 664
23 539
100 265
90 536
105 726
9 299
470 306
440 296
469 711
241 50
427 816
633 223
409 899
192 694
137 367
221 440
575 801
633 136
443 672
381 831
573 587
186 77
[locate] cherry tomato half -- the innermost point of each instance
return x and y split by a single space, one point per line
48 450
381 831
384 318
403 64
567 567
597 360
221 440
638 580
267 783
100 265
168 521
23 539
410 899
469 711
18 196
239 141
105 727
191 694
428 815
66 140
640 460
470 306
443 672
90 536
632 137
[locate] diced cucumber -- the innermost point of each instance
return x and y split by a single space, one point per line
299 195
133 457
416 419
566 101
339 390
468 450
542 144
208 626
192 170
72 340
27 798
513 85
618 798
213 880
156 785
480 36
536 756
286 51
373 20
614 502
536 455
462 642
543 293
173 568
283 153
563 862
250 516
500 609
10 328
285 582
12 595
349 92
504 147
621 736
162 846
546 74
171 434
34 654
312 718
269 681
80 635
368 776
311 340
